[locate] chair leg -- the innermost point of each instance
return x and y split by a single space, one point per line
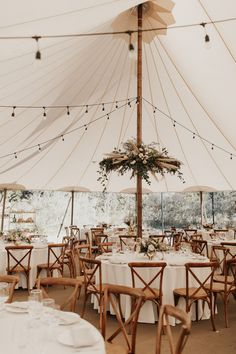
86 295
225 299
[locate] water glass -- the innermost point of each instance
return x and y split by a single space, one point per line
34 303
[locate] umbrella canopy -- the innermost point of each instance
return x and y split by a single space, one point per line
61 114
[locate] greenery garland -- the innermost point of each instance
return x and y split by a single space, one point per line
140 160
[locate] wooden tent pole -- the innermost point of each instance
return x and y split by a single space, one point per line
139 118
3 208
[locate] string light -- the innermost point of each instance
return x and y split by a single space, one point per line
103 107
44 113
68 110
154 110
137 100
129 104
207 37
85 126
117 105
13 111
131 46
38 53
194 135
86 111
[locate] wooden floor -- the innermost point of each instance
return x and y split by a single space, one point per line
202 339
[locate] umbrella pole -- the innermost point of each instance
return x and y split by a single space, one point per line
72 208
3 208
139 119
201 206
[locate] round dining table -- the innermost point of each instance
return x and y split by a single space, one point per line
115 270
67 334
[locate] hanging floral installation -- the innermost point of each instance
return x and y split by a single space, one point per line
141 160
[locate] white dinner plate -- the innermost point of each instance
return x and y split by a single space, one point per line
17 307
78 337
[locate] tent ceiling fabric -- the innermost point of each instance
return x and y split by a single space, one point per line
193 85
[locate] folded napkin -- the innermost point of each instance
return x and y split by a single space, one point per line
67 318
79 336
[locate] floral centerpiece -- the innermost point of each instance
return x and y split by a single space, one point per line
151 246
140 160
17 236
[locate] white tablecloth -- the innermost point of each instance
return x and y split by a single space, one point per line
39 255
20 335
174 277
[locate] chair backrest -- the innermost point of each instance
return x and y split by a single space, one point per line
80 250
230 270
89 268
219 254
176 347
112 294
195 236
12 280
147 284
201 283
18 257
125 240
44 283
56 254
231 246
74 231
101 240
200 246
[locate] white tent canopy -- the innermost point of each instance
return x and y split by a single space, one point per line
192 87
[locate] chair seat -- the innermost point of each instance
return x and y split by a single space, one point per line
220 287
149 294
90 288
183 292
17 269
113 348
50 266
221 278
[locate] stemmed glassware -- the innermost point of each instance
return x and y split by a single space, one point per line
4 294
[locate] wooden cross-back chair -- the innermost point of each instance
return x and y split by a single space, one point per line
112 297
200 247
103 244
189 233
175 347
202 289
125 240
219 254
18 261
95 231
227 287
80 250
55 259
151 292
12 281
91 269
75 284
231 246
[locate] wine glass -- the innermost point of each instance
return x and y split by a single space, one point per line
4 294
